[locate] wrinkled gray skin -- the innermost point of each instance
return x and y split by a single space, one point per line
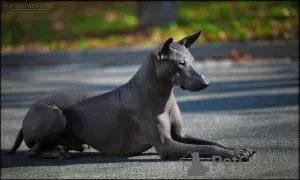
129 120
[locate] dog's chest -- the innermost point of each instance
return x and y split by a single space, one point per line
125 138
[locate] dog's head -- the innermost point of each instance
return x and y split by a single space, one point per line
174 64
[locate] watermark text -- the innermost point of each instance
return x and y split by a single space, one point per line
27 7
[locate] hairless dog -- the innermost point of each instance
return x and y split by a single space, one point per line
128 120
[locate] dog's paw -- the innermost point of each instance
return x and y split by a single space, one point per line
241 155
249 151
64 155
85 147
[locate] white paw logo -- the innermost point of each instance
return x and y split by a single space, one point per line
197 168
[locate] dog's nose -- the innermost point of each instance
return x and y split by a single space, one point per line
204 81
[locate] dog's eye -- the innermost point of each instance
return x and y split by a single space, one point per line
182 63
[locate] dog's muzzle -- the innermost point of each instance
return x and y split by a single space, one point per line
201 84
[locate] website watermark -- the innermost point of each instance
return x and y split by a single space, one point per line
197 168
22 7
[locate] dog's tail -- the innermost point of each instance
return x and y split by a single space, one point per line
18 142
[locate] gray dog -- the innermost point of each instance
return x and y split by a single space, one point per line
126 121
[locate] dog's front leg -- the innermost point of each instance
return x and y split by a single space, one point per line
178 135
174 150
187 139
157 131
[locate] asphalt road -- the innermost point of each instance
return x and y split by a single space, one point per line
247 105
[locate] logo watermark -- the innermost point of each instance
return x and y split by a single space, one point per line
199 169
23 7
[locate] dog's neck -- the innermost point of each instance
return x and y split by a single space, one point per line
147 80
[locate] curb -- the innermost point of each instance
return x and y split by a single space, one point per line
125 56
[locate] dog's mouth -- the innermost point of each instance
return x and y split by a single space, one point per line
197 87
194 87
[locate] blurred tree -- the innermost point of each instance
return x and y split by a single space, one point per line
156 13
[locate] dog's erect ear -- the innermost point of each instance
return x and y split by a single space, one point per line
189 40
165 50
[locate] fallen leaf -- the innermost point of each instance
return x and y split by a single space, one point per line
285 12
222 35
58 25
110 16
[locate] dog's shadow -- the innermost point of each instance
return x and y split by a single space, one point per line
19 159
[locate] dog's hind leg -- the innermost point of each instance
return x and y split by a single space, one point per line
43 151
70 141
43 122
43 126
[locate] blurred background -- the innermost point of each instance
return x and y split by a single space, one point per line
110 24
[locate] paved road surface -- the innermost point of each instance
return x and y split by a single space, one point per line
251 105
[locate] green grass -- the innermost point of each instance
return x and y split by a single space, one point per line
81 25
